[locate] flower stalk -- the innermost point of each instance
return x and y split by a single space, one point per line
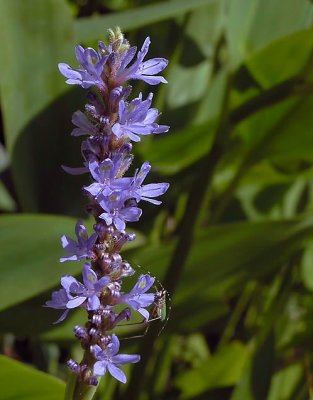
111 122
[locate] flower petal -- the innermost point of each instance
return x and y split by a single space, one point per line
100 368
117 373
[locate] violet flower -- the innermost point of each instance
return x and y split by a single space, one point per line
137 118
144 71
73 293
80 249
149 191
137 298
90 74
115 211
109 360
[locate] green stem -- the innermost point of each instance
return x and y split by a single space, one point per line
77 390
240 307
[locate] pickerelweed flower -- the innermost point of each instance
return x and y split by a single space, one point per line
110 123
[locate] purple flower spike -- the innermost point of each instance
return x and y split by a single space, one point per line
92 65
141 70
137 118
110 124
80 249
137 298
109 360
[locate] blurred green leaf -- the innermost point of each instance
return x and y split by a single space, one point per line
270 134
91 28
204 25
169 155
189 84
30 248
6 201
20 382
256 379
224 368
282 58
4 158
263 22
285 382
34 39
307 267
263 368
298 122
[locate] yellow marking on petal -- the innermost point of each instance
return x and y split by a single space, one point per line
92 278
113 197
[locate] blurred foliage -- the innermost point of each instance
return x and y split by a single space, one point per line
233 240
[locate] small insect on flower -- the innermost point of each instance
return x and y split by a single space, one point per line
159 310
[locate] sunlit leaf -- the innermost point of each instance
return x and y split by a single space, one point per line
189 84
224 368
34 39
21 382
91 28
273 63
263 22
6 201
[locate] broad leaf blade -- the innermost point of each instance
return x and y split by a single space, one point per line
20 382
92 28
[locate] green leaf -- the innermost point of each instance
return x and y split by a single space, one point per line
204 25
6 201
188 84
263 22
281 59
4 158
307 267
35 36
285 382
21 382
263 367
175 151
256 379
298 122
270 134
30 249
92 28
224 368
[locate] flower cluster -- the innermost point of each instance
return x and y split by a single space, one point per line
110 122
